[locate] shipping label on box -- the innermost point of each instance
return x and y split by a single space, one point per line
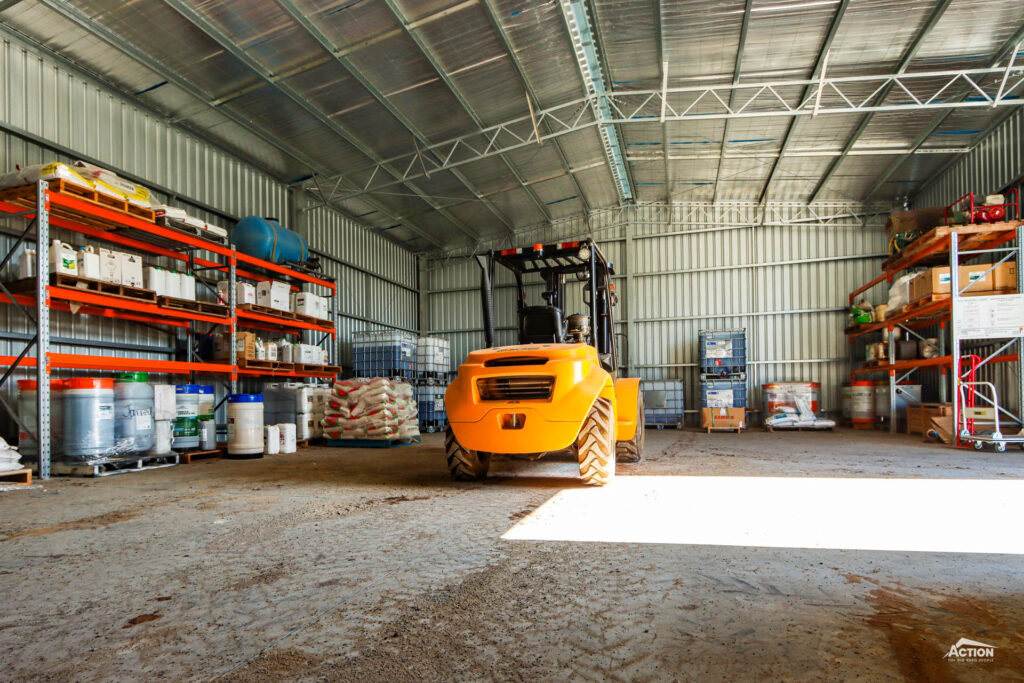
110 265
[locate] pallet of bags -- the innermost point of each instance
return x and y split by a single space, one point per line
376 409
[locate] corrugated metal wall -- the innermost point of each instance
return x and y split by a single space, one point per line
993 165
377 278
783 272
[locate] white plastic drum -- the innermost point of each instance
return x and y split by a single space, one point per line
186 421
88 418
272 438
245 425
27 412
287 437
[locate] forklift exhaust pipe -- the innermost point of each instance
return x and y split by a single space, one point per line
486 264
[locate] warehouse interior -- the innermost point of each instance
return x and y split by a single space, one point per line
504 340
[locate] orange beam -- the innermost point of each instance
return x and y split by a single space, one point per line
943 361
933 307
101 300
282 373
280 322
108 363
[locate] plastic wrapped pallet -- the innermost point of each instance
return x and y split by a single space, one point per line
25 175
375 408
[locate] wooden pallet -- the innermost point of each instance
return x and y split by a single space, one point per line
317 369
111 289
724 429
21 477
25 195
267 365
266 310
936 241
189 306
188 456
798 429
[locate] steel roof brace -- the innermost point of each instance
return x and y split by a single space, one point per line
737 70
882 93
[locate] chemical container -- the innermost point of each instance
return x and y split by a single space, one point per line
187 286
430 407
664 402
186 421
27 446
27 264
905 393
172 284
267 239
723 393
88 262
245 425
272 440
862 403
207 435
63 259
134 431
384 354
776 395
88 418
845 401
206 401
156 280
722 352
288 444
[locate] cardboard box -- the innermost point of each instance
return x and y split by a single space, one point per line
976 274
131 270
723 418
1004 277
245 293
110 265
309 304
919 220
919 415
932 281
245 346
273 294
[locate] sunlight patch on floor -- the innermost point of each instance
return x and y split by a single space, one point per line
929 515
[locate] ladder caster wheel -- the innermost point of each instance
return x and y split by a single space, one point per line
978 445
1001 447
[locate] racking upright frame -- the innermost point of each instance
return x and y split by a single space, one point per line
955 242
36 206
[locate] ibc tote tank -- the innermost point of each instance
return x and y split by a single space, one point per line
267 239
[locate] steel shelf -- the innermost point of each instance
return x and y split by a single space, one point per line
942 362
61 298
251 372
272 323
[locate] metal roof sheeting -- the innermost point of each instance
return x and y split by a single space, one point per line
365 81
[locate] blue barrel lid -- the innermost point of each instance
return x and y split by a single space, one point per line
205 389
245 398
187 389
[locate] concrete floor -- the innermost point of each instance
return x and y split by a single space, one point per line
372 565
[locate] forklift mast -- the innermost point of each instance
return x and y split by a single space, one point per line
553 263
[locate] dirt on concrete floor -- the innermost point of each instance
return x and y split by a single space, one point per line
371 565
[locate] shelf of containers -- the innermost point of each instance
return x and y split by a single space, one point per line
944 245
43 208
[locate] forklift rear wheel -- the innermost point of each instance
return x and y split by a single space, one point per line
595 444
630 451
465 465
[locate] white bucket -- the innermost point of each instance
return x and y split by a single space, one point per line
272 439
287 437
245 424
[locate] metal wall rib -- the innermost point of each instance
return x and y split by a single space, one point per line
782 271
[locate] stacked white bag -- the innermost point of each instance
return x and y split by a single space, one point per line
10 459
375 408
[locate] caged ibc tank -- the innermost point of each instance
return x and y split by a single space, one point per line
267 239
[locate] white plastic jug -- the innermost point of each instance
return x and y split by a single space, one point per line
272 439
88 262
187 286
27 264
172 284
62 258
155 280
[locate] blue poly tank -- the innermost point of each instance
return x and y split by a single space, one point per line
266 239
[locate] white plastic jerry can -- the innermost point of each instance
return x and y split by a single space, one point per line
155 280
172 284
62 258
88 263
27 264
187 286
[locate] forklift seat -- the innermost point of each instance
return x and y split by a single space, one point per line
541 325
